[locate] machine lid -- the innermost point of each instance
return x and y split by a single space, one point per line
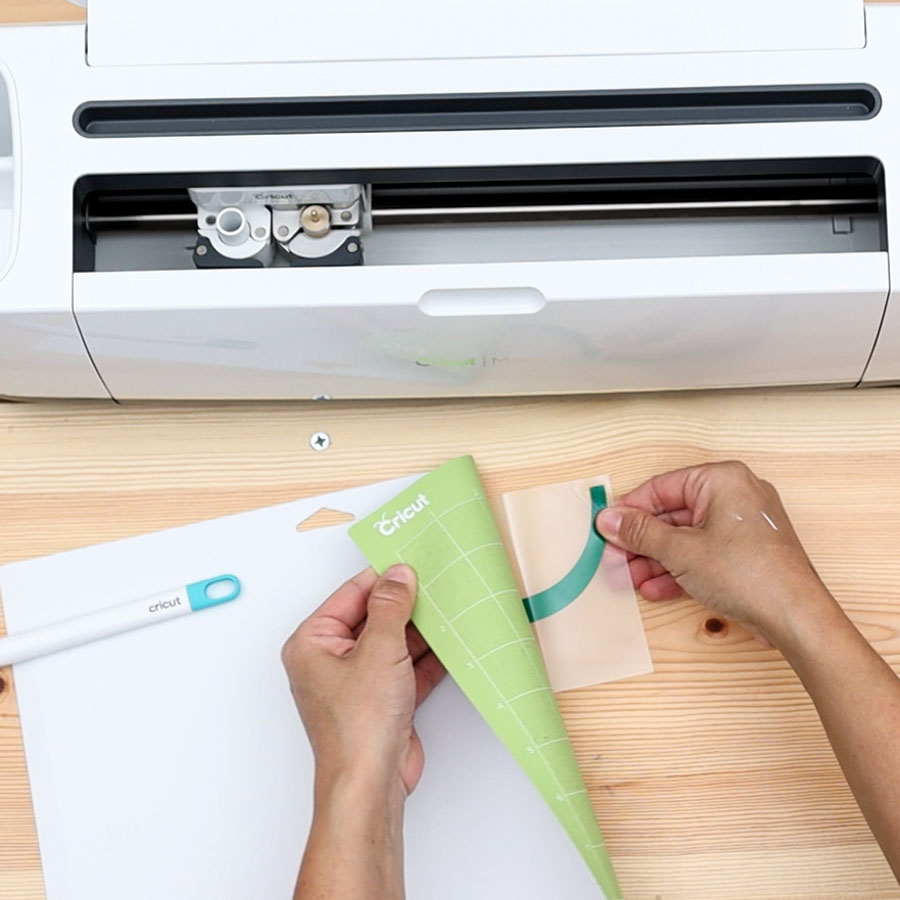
135 32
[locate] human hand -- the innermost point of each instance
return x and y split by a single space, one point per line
721 535
358 670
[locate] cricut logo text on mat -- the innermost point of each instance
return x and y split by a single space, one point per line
387 525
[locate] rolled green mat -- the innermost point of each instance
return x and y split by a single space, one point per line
469 610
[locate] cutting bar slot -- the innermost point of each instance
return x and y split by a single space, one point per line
472 112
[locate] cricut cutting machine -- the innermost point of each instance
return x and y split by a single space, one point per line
219 199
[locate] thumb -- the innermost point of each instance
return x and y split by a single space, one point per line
389 608
640 533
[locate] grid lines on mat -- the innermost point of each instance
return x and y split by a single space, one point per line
518 649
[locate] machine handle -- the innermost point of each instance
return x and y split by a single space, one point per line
504 301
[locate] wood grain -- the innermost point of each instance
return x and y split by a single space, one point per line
712 778
12 11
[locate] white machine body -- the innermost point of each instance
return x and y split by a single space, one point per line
215 201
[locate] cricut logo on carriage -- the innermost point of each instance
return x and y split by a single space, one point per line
388 523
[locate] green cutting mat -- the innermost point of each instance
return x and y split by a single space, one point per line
470 611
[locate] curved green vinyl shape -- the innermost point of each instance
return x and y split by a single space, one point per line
572 585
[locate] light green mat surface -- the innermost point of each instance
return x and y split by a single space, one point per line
470 612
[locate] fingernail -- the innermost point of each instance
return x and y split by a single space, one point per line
609 521
401 573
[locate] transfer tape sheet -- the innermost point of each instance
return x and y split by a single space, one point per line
576 588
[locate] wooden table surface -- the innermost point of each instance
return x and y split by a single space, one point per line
711 778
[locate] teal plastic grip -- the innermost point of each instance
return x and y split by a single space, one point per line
198 592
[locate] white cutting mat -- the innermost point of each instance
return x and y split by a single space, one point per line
170 762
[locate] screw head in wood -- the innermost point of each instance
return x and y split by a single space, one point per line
319 441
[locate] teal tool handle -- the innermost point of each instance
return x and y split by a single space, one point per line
199 595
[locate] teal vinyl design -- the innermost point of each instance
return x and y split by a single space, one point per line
573 584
